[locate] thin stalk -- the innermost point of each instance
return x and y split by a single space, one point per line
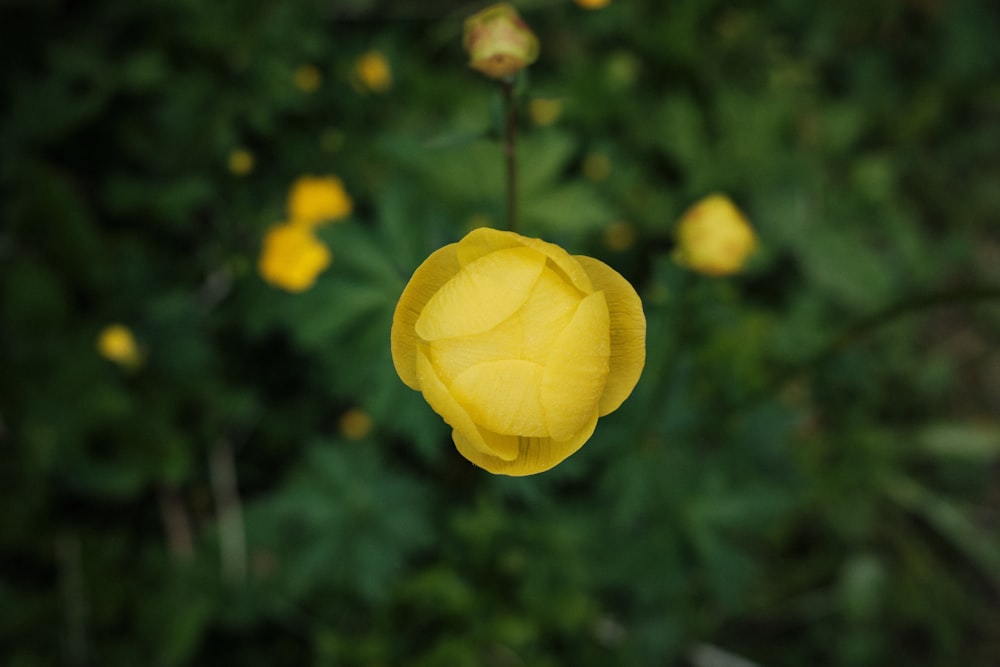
510 153
870 324
229 513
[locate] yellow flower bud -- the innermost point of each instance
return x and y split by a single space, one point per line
355 424
714 237
307 78
292 257
317 199
241 162
116 343
592 4
372 71
519 346
500 44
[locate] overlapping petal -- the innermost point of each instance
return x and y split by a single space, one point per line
535 455
441 400
627 329
577 369
434 272
474 301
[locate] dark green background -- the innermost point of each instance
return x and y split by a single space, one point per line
807 472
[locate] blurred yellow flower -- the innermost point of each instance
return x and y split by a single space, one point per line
307 78
116 343
314 200
593 4
596 166
714 237
519 346
499 43
241 162
544 111
292 257
619 236
372 71
355 424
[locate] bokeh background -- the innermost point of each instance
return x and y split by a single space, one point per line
807 472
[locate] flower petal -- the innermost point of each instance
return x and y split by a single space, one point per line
482 295
534 454
628 332
440 399
577 368
502 396
435 271
483 241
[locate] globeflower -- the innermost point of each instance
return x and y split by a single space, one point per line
314 200
500 44
518 346
116 343
292 257
372 71
714 237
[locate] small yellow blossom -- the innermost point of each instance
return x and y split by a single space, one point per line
519 346
372 71
714 237
499 43
116 343
355 424
314 200
544 111
307 78
292 257
596 167
241 162
593 4
619 236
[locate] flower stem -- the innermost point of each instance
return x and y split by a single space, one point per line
510 152
870 324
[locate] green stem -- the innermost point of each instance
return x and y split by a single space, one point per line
868 325
510 153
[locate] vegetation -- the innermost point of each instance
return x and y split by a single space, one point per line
806 472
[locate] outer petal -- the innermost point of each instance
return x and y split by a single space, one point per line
482 241
535 454
482 295
503 397
577 369
628 332
435 271
439 398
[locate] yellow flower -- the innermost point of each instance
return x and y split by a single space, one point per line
544 111
372 70
500 44
292 257
519 346
307 78
241 162
116 343
714 237
317 199
593 4
355 424
619 236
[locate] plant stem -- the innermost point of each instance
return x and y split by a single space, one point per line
229 513
868 325
510 153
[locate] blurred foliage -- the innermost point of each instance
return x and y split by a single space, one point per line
766 494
